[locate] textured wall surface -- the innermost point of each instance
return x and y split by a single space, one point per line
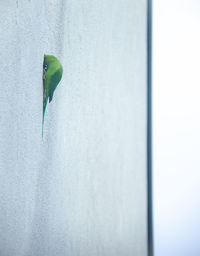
81 190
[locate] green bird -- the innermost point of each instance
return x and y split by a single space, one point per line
52 74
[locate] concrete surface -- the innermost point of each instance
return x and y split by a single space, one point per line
81 190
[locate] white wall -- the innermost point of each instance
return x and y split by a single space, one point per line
81 190
176 123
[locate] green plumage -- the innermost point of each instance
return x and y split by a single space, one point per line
52 74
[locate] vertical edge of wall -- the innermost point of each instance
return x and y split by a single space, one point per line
149 129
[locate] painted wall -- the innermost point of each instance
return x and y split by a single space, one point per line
176 112
81 190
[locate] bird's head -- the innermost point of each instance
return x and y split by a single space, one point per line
50 60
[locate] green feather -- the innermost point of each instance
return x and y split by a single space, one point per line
52 74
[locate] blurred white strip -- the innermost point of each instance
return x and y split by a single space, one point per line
176 127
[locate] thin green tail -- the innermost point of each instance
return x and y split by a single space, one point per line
44 109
